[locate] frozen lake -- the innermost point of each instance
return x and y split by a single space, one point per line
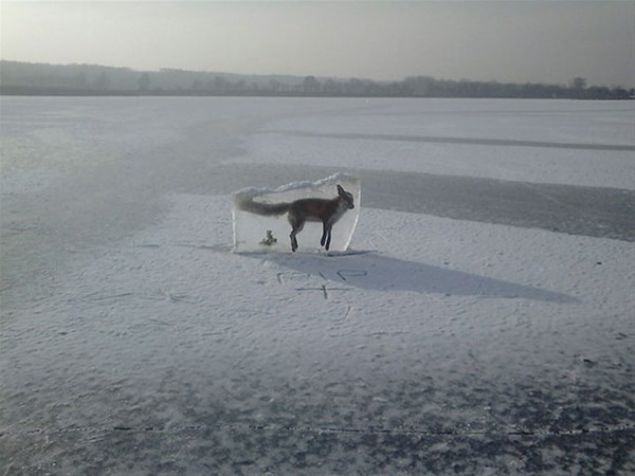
486 326
81 172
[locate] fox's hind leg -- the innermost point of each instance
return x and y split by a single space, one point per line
296 227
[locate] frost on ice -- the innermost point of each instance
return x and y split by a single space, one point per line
254 231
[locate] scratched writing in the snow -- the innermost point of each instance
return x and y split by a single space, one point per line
317 282
339 275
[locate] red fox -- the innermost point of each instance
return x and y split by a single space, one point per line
299 211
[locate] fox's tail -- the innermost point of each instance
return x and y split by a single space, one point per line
249 205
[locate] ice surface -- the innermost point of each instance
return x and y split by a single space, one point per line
541 141
133 342
257 233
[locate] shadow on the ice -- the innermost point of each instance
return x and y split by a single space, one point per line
369 270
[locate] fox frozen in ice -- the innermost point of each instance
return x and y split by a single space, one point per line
306 209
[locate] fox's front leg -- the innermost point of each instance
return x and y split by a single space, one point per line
326 235
325 228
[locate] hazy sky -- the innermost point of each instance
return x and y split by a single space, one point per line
550 41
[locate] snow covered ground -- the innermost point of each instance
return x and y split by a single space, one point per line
133 341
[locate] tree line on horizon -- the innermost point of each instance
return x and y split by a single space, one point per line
17 78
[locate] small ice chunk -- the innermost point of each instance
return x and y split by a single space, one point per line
255 231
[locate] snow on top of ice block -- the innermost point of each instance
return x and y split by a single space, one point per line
252 192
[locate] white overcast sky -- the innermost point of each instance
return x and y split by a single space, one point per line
550 41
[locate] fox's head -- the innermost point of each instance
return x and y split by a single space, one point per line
346 197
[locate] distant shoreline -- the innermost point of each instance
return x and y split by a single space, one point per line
33 79
32 92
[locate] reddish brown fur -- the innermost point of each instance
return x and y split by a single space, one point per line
318 209
315 209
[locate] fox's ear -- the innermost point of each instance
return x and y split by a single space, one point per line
340 190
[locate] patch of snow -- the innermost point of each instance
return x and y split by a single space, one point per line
171 331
